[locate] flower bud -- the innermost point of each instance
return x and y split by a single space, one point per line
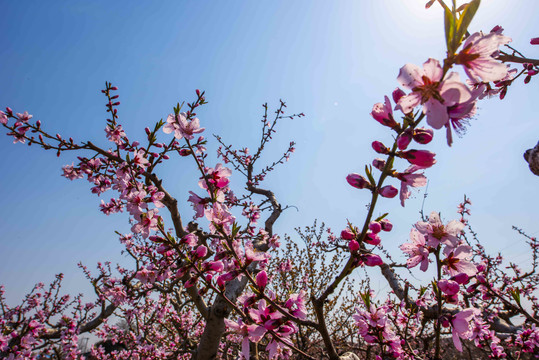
423 135
358 181
262 279
379 164
372 260
481 267
448 287
215 266
386 225
372 239
388 191
156 239
375 227
201 251
347 234
147 129
423 158
185 152
461 278
404 139
353 246
380 148
221 282
397 94
383 113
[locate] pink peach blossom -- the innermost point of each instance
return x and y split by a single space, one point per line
478 57
431 91
417 250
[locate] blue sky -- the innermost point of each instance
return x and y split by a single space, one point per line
330 60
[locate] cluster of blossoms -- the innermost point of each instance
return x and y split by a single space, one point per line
375 327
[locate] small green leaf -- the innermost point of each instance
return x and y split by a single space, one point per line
369 175
465 19
381 217
449 22
235 229
366 296
515 293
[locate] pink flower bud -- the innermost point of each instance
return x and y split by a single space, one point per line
375 227
534 41
157 239
198 92
386 225
383 113
461 278
497 29
185 152
423 158
397 94
388 191
372 239
379 164
231 275
262 279
216 266
147 129
372 260
380 148
481 267
358 181
221 282
353 246
404 139
423 135
347 234
448 287
4 118
201 251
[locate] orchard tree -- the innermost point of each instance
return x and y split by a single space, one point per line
217 282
